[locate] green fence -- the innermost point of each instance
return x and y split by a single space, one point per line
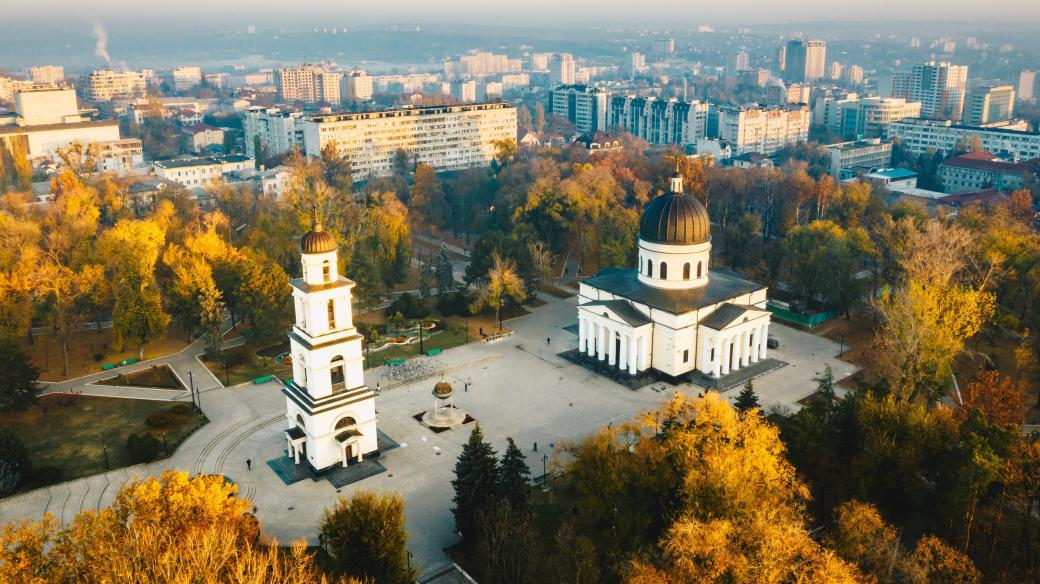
806 320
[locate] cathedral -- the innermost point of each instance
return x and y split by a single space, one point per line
330 412
671 313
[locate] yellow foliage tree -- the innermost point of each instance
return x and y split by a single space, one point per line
502 282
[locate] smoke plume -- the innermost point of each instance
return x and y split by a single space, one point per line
101 46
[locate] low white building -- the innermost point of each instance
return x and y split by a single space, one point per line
1009 140
862 154
672 313
199 172
120 156
43 141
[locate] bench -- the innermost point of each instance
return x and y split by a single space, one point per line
130 361
433 352
108 366
263 379
393 362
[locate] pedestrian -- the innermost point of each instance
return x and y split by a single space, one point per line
547 340
481 331
249 464
377 387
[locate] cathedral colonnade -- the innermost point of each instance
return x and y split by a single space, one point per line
733 349
616 344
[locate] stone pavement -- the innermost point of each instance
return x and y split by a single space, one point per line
520 388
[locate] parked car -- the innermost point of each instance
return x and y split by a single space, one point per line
772 343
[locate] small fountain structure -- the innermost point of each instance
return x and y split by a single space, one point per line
444 414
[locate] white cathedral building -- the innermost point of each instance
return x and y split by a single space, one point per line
672 313
331 413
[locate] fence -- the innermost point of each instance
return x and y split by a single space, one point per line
806 320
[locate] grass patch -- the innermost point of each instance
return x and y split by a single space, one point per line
244 364
67 435
452 336
89 350
158 377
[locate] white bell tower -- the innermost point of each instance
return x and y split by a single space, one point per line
330 411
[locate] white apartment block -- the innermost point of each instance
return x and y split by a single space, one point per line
583 106
280 131
920 136
658 121
562 69
986 105
308 84
940 87
480 64
120 156
356 86
409 83
49 74
445 137
869 116
1027 85
106 85
185 78
199 172
763 130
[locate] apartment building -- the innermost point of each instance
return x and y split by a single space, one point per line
47 74
1008 140
106 85
445 137
659 121
1027 85
356 86
581 105
868 117
308 84
199 172
119 156
938 85
278 131
763 130
480 64
185 78
989 104
983 170
562 69
804 60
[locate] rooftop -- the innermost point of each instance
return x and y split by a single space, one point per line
893 173
721 287
986 161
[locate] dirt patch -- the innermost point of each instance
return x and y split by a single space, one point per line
157 377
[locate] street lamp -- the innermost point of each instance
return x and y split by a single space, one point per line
165 448
421 350
105 449
191 388
545 458
227 378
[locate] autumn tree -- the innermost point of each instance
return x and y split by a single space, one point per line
263 294
427 197
998 397
138 316
66 290
502 282
364 537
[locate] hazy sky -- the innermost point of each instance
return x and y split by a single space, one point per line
679 13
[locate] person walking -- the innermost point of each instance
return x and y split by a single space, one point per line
249 464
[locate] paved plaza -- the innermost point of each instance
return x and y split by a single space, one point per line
519 388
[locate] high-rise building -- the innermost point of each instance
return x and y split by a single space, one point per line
1027 85
854 75
276 131
308 84
659 121
779 94
356 86
47 74
480 64
540 62
464 91
106 85
804 60
989 104
664 46
763 130
741 63
448 137
868 117
834 70
896 85
940 87
583 106
637 63
561 69
185 78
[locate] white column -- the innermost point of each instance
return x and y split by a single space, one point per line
756 337
581 334
623 355
644 356
762 345
590 338
703 354
633 354
602 342
725 355
745 348
611 347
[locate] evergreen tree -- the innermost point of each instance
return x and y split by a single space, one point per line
475 483
15 463
513 479
747 398
444 273
17 375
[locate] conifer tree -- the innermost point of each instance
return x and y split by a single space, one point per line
513 479
476 483
747 398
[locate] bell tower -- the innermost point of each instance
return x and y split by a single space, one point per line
330 411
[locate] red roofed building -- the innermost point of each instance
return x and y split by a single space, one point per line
982 170
204 136
983 197
187 117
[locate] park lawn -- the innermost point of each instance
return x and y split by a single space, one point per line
86 346
453 336
157 376
245 370
64 434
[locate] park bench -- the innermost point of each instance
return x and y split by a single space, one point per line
129 361
263 379
433 352
108 366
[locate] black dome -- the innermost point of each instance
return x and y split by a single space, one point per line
317 240
675 218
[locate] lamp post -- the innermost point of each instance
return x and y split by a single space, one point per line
545 458
191 385
421 350
105 449
227 377
165 448
841 350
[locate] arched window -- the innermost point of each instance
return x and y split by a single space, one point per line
299 422
686 271
664 271
332 314
699 266
649 268
326 271
346 422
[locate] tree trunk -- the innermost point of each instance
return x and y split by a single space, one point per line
65 354
140 351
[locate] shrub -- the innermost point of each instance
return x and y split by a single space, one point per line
142 447
98 357
410 306
454 304
15 463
